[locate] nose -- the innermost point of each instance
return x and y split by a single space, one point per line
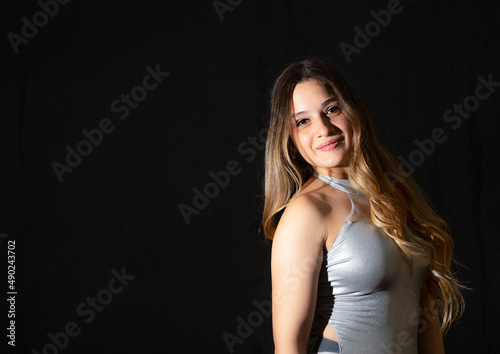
323 126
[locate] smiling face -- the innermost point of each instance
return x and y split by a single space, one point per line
320 131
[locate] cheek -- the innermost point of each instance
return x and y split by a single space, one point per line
295 137
300 142
347 130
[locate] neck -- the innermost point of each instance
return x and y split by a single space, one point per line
335 172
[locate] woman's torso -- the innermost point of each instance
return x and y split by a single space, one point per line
367 300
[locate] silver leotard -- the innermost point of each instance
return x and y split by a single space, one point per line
365 291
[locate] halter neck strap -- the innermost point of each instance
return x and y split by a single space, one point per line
339 183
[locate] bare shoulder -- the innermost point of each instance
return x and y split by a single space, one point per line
308 207
314 215
307 215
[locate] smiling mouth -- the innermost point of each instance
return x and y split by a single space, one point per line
329 145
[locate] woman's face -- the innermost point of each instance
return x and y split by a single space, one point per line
319 129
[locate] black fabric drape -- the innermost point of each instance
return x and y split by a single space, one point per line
132 159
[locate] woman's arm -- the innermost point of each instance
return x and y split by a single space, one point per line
297 254
430 338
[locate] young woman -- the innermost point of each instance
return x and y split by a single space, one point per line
360 262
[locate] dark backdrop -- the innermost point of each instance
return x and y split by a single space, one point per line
130 239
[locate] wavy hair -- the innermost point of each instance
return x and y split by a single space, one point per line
397 203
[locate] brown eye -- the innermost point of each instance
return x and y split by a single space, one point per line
300 122
333 109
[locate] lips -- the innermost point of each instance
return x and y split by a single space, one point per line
329 145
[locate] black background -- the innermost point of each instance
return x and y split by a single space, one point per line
120 206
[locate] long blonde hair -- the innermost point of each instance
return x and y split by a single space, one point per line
397 203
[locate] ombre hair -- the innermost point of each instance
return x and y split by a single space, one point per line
397 203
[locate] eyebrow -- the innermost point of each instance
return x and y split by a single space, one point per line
326 103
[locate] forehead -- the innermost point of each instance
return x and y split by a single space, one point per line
310 92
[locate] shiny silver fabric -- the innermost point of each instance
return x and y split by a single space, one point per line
365 290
